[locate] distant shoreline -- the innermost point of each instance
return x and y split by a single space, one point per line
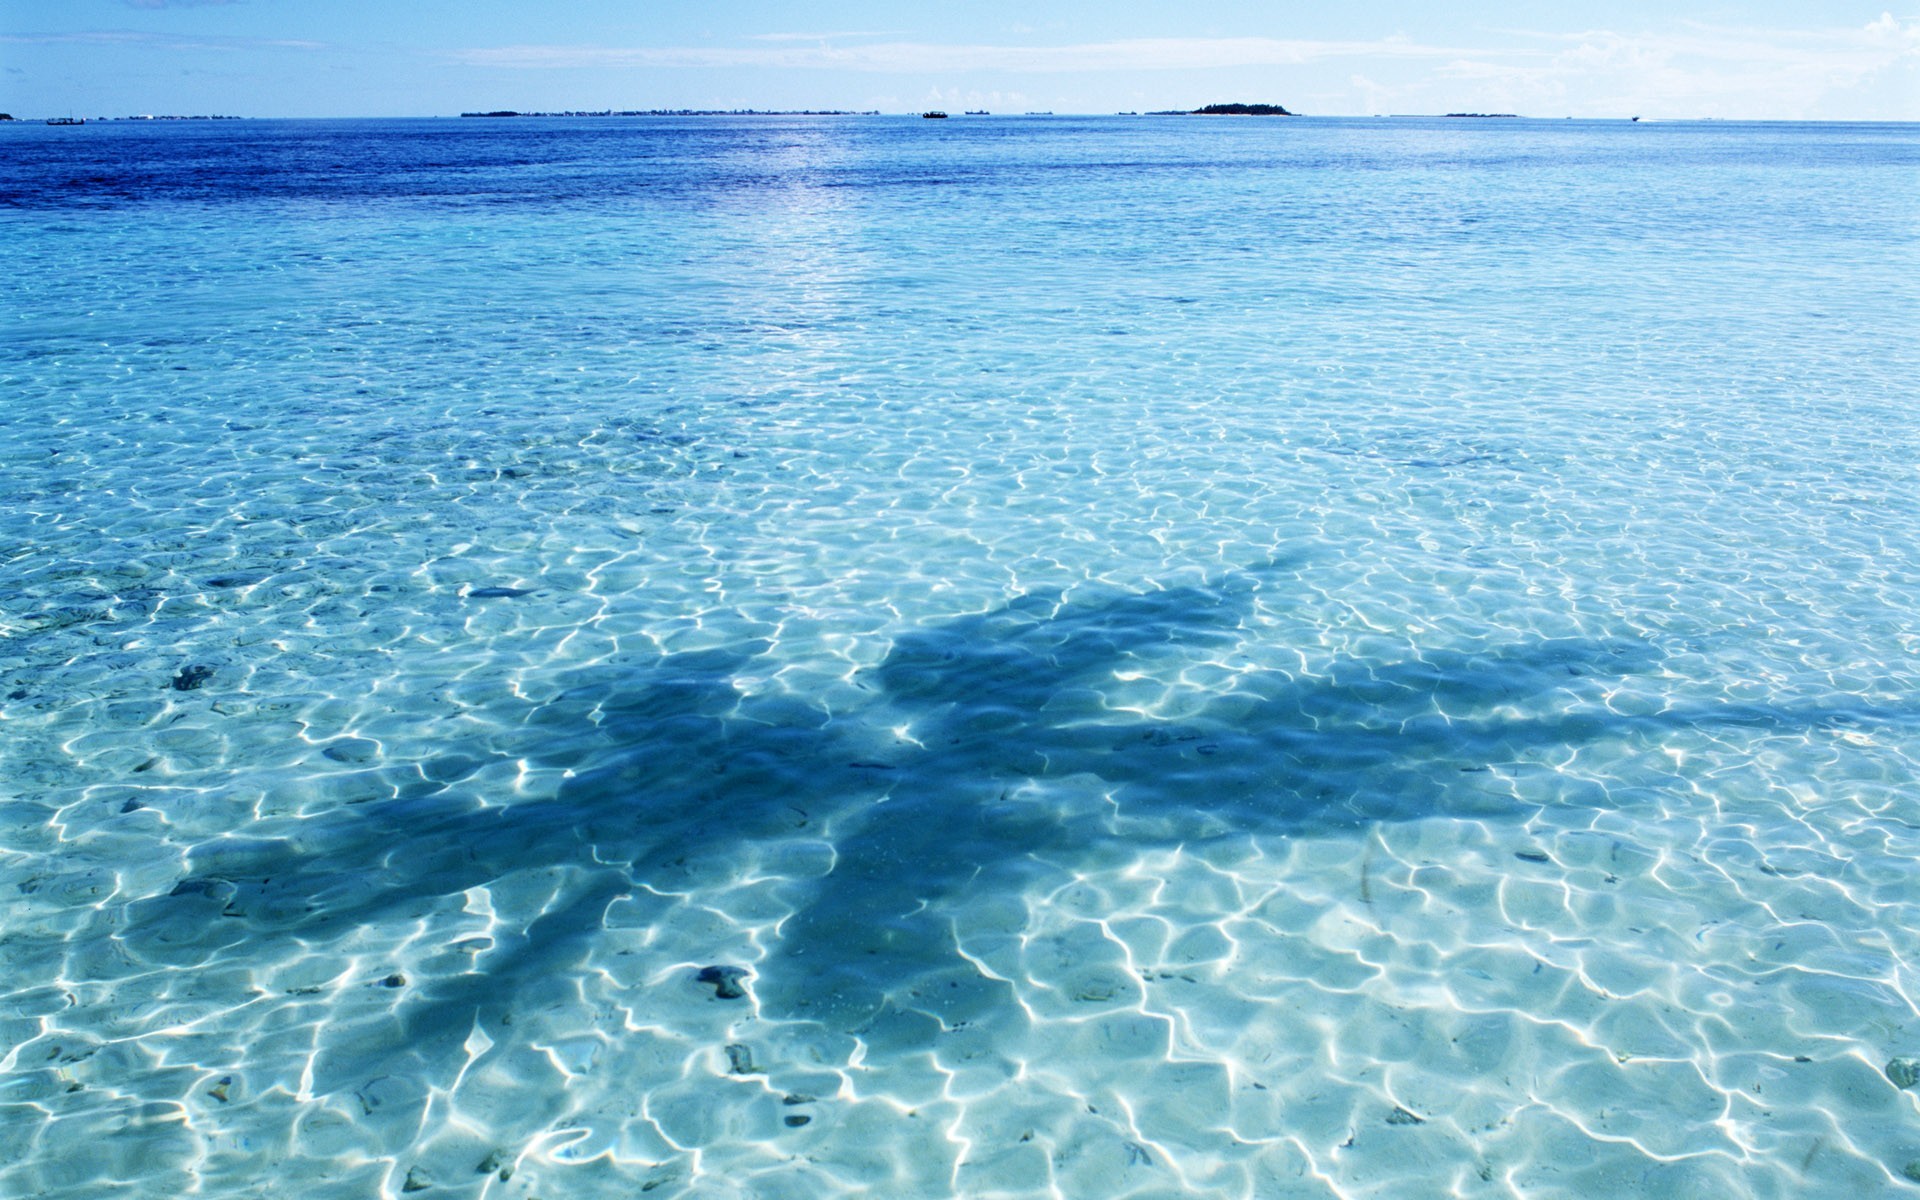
18 120
9 117
683 112
1237 109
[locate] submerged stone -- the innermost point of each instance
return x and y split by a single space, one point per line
724 980
191 678
352 750
495 1163
498 593
1904 1072
740 1061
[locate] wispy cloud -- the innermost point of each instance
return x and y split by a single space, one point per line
1747 43
1686 69
1659 65
1140 54
1714 69
161 41
819 37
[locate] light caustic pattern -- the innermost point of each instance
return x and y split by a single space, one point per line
1026 658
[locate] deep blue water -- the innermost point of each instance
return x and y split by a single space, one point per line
1162 656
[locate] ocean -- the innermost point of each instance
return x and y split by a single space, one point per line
792 657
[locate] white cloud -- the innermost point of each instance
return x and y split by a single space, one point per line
1689 69
816 37
161 41
1703 70
1141 54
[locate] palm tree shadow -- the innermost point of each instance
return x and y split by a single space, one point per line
1019 760
993 750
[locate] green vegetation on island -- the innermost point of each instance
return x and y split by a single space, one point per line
1242 110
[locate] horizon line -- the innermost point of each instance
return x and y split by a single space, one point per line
688 111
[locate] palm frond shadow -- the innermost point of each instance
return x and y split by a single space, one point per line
1012 763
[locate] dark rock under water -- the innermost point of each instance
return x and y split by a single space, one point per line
725 981
192 678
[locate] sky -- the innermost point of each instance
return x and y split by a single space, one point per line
1757 59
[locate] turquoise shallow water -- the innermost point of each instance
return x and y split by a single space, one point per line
1158 657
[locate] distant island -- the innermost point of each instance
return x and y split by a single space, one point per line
1242 110
683 112
1481 115
69 120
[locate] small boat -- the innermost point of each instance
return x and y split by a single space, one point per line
934 116
66 120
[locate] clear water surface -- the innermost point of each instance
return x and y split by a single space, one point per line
1151 657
